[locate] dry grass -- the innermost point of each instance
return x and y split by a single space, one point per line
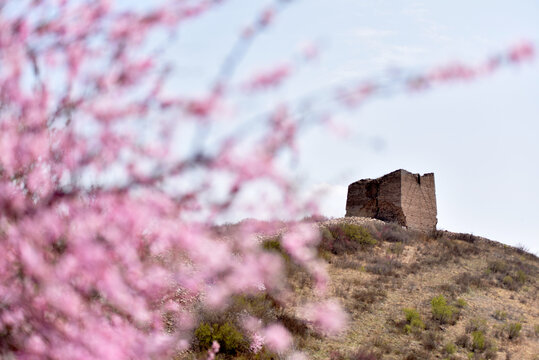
375 284
493 290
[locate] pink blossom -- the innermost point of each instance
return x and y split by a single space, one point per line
40 181
257 342
521 52
268 78
107 221
300 242
266 17
213 351
328 316
277 338
309 51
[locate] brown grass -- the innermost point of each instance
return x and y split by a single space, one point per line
375 284
406 269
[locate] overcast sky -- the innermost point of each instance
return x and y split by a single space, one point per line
481 139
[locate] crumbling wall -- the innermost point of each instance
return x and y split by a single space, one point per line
379 198
401 197
418 199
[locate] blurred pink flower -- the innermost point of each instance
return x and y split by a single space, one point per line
328 317
268 78
277 338
213 350
257 342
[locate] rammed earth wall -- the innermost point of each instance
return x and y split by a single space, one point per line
401 197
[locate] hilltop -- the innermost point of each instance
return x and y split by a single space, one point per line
410 295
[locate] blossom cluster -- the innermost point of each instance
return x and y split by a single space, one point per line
98 240
105 228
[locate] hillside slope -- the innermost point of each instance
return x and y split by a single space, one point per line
409 295
490 290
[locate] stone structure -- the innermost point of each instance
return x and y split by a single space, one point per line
401 197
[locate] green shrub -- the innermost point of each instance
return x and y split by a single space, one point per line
262 306
497 266
326 235
491 352
273 243
477 324
227 335
408 329
521 276
500 315
511 274
461 303
508 281
513 330
450 348
478 340
204 335
324 254
410 314
441 311
413 319
345 238
536 329
358 234
396 249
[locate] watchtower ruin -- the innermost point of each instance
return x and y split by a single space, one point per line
401 197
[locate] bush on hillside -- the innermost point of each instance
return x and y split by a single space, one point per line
478 341
385 266
230 339
441 311
345 238
513 330
394 233
413 320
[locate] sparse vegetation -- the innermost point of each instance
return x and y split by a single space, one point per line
426 289
385 266
363 298
227 335
467 280
477 324
478 340
450 348
345 238
513 330
510 274
500 315
431 340
463 341
413 320
441 311
461 303
393 233
396 249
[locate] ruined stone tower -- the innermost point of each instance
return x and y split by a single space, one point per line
401 197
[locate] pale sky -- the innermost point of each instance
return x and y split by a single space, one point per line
481 139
